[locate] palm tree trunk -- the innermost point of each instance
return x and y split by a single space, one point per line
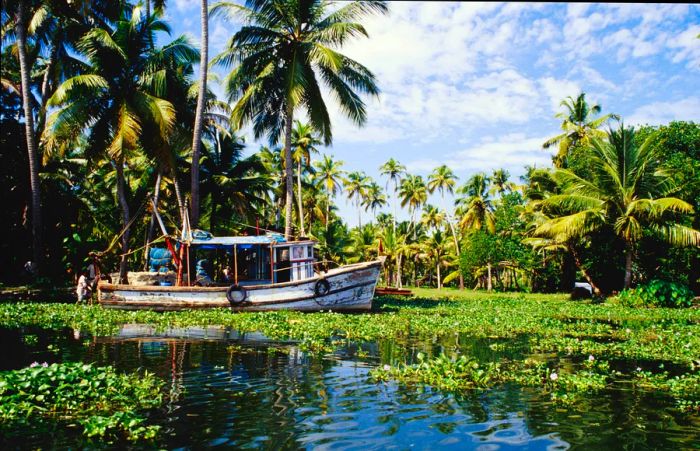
288 171
199 115
579 265
359 212
454 236
126 217
399 283
439 280
396 201
35 188
489 285
301 206
628 265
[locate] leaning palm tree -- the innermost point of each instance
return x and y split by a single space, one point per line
329 175
356 185
394 172
578 127
304 142
280 52
117 99
626 193
442 179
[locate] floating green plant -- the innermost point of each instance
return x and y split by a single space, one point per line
107 405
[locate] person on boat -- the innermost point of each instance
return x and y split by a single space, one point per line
228 275
83 288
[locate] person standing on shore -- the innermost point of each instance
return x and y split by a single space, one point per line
82 290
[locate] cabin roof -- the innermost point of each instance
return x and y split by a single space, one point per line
215 242
235 240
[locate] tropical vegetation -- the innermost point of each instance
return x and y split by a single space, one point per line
101 111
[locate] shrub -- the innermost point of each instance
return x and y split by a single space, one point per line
657 293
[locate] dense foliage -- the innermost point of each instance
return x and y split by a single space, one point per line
113 125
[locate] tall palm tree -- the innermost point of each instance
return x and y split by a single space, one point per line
414 193
578 127
394 172
442 179
374 198
304 142
356 185
117 99
280 52
21 24
199 114
626 192
329 175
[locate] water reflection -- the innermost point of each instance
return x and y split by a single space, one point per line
231 390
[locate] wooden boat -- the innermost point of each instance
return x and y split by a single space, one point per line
391 291
269 274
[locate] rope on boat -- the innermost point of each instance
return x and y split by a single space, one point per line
134 217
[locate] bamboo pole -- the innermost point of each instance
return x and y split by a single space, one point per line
235 264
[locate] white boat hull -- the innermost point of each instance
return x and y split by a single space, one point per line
350 288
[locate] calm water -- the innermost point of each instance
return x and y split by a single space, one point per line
233 391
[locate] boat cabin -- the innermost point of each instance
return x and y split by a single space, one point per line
248 260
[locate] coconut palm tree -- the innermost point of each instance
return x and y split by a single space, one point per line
356 185
432 217
475 205
414 193
500 183
436 248
329 175
20 10
117 99
442 179
374 198
280 52
394 172
476 208
578 126
304 142
626 192
199 114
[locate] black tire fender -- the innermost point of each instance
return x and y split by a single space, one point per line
322 287
236 294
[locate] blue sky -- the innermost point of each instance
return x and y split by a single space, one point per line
476 86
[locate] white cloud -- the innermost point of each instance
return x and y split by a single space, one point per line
657 113
512 152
